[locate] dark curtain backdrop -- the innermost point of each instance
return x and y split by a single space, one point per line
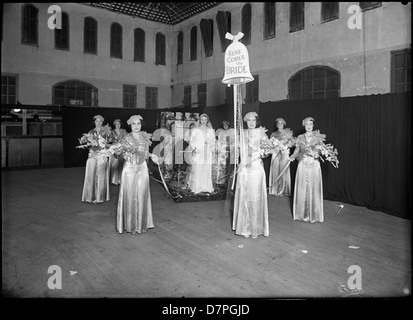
373 138
372 135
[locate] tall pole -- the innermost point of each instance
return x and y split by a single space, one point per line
235 87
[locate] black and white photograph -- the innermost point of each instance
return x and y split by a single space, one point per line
206 150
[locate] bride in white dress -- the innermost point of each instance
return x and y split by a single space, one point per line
202 143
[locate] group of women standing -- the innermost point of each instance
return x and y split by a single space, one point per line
251 209
127 166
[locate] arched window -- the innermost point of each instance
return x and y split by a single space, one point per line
74 92
90 35
315 82
29 24
160 49
180 52
139 52
246 24
61 36
194 39
116 40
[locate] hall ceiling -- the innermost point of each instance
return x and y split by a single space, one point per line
164 12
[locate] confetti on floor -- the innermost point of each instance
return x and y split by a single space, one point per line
353 247
72 272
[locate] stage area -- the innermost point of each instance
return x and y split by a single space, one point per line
192 251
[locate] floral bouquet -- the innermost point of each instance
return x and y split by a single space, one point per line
99 142
327 151
268 146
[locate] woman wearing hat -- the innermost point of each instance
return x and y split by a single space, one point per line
96 184
308 189
250 204
202 142
279 160
134 213
116 163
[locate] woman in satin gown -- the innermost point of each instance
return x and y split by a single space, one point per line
308 189
96 183
279 160
250 204
134 212
202 143
116 163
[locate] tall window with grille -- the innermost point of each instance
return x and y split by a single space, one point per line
252 90
401 71
296 16
246 24
180 47
202 95
61 36
315 82
329 11
116 40
90 35
74 92
30 24
194 44
139 45
187 96
129 96
151 95
369 5
9 89
207 33
160 49
269 20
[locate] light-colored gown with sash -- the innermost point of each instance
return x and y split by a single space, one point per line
96 183
308 189
250 205
134 213
279 160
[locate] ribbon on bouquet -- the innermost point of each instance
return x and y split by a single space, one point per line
281 173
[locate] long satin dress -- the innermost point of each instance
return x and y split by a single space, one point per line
250 205
116 163
308 190
96 183
200 176
134 213
279 160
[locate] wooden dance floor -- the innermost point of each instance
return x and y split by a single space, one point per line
192 251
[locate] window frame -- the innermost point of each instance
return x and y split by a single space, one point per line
126 95
393 70
16 87
331 18
116 40
24 31
303 73
299 27
95 35
139 56
67 31
265 20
